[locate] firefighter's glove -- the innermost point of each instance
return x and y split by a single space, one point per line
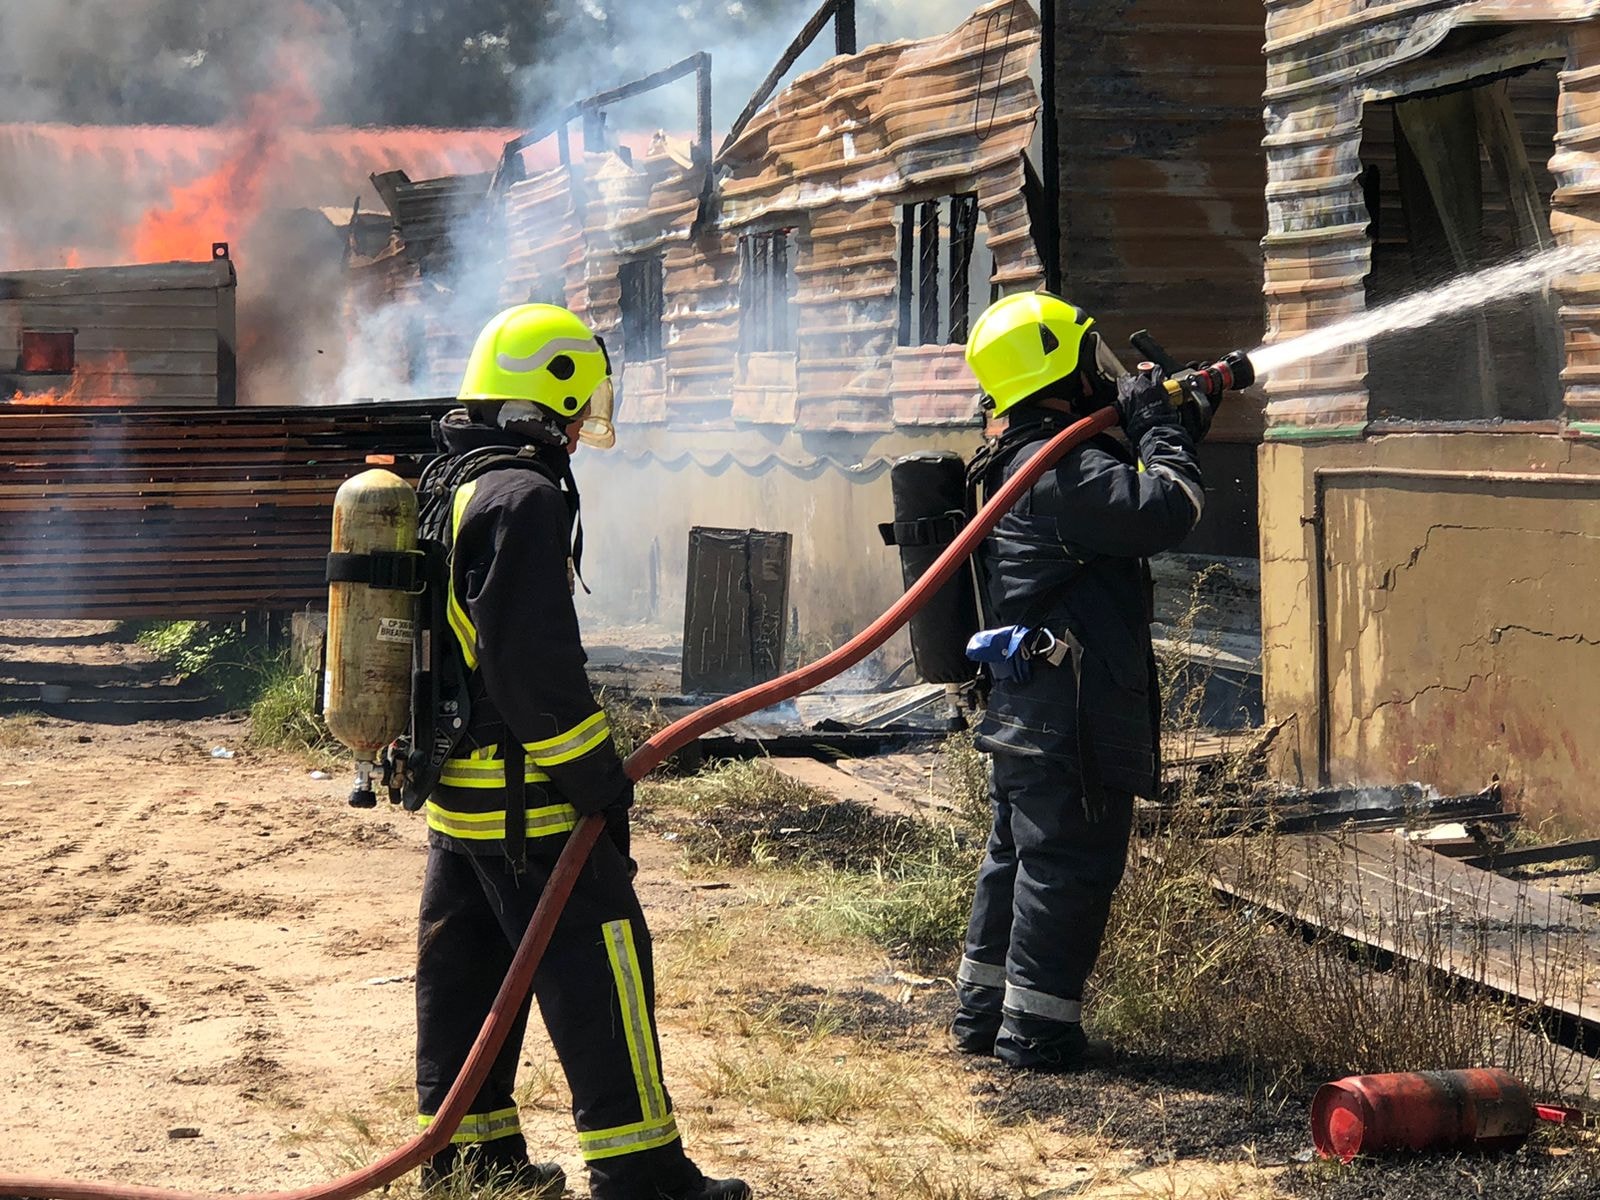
1143 403
1199 410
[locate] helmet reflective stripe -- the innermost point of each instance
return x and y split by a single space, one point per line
547 353
1024 343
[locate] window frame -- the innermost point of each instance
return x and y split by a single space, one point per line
940 315
644 336
47 355
767 326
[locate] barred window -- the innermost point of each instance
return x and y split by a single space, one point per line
766 291
643 307
945 270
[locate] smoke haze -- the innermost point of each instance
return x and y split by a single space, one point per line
259 73
393 62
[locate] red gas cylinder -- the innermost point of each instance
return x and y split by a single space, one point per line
1426 1110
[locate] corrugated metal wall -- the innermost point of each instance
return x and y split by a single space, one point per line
144 335
1162 173
1326 58
832 158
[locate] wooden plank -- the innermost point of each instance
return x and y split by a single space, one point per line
1502 860
97 281
836 783
161 512
1510 936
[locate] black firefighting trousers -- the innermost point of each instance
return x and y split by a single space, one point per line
1044 891
596 993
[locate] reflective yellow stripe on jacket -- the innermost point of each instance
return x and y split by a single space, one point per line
466 632
484 768
587 735
546 821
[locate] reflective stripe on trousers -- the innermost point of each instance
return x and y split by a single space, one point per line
480 1127
658 1126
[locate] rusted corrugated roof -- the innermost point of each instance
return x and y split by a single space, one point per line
1326 58
833 156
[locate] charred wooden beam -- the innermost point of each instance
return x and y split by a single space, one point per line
802 42
844 27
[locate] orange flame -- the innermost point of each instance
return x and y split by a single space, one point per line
223 205
94 384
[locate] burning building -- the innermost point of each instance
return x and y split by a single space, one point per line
1428 526
788 304
160 335
287 199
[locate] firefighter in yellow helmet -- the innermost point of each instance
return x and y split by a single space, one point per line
1072 719
536 755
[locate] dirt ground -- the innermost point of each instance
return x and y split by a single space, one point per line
207 984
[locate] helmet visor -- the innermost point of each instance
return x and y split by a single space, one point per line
597 429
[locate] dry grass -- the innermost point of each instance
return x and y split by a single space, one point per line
633 722
20 731
1303 1000
803 1081
746 813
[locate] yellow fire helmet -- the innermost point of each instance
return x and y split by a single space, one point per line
1025 342
541 354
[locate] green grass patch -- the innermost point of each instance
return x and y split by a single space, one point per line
214 654
283 715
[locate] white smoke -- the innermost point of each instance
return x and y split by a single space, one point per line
632 40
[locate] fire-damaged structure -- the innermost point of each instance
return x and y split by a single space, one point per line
162 334
1429 528
788 307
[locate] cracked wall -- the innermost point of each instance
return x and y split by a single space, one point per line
1463 613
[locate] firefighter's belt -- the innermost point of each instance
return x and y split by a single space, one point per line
392 570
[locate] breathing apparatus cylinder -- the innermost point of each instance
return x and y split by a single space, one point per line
372 600
930 509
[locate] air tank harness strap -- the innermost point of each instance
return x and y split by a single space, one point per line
392 570
925 531
516 846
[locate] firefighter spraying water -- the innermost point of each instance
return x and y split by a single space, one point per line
527 792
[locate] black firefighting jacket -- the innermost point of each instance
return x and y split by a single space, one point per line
511 613
1071 558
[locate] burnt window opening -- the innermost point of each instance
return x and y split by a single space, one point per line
643 308
1455 182
766 291
946 270
48 352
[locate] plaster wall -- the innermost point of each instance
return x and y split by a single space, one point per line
1455 634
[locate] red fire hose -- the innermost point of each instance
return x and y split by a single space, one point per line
519 978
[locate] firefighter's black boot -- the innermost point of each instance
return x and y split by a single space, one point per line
503 1161
974 1032
1035 1044
722 1189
